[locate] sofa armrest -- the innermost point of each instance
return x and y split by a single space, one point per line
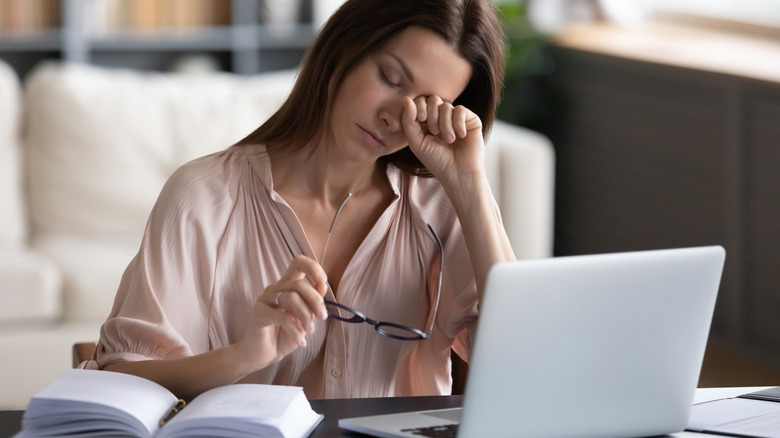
521 169
13 227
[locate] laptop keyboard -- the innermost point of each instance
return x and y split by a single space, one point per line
445 431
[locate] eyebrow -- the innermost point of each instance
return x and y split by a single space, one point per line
404 67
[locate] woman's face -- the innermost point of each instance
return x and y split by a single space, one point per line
365 120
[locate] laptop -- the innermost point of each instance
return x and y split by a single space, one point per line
607 345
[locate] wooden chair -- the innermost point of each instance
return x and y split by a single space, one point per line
460 370
83 351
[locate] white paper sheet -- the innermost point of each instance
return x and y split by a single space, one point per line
737 415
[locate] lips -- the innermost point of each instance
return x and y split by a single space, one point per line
373 139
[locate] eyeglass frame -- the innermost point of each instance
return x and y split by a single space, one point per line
419 335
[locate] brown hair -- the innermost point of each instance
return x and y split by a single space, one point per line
359 28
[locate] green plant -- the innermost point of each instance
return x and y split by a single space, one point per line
527 65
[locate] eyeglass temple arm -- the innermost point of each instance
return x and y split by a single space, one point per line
330 230
429 330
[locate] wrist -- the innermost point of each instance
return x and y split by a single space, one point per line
240 363
468 191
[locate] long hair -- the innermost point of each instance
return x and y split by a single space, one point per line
361 27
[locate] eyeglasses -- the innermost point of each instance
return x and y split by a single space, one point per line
389 329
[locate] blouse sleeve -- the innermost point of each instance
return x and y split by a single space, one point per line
463 314
161 309
459 278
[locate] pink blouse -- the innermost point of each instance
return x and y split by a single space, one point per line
219 234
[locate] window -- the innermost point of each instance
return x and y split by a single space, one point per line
760 12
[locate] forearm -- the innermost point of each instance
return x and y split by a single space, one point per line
187 377
486 239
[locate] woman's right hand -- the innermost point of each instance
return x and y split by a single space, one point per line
275 331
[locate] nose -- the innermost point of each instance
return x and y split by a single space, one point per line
390 115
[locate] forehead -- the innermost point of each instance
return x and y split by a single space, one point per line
435 65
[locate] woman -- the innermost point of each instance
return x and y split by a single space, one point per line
379 146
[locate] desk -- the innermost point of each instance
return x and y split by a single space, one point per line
10 421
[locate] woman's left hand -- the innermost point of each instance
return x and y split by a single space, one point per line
447 139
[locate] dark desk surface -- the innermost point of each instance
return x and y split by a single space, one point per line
10 421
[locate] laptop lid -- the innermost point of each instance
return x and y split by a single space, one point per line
606 345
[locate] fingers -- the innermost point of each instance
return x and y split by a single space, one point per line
296 301
434 105
414 114
459 121
422 109
289 322
301 267
441 119
298 296
306 277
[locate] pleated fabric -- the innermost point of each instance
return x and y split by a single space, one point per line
219 234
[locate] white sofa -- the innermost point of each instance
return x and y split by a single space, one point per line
84 152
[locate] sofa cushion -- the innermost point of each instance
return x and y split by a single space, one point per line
103 141
91 271
12 213
29 288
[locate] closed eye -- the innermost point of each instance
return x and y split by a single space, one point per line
387 80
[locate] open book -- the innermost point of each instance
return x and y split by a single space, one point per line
104 403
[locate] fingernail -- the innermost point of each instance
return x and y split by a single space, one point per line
311 327
322 314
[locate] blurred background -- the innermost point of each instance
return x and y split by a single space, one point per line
664 115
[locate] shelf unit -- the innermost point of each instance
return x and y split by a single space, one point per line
244 45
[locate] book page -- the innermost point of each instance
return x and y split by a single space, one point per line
731 414
763 426
265 402
85 394
245 410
